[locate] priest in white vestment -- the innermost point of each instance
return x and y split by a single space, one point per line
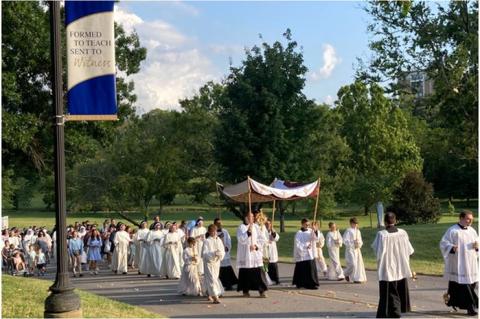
250 241
153 256
198 232
172 244
227 275
139 241
212 254
393 249
334 242
352 239
459 248
121 242
305 274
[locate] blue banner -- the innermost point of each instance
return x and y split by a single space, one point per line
91 60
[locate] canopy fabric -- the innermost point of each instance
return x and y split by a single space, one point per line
258 192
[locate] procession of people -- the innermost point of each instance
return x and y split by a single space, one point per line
201 256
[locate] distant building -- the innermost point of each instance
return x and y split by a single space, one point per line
419 84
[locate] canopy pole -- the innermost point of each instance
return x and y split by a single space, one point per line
273 213
316 202
249 195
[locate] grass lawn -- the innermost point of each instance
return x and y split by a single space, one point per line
425 238
25 297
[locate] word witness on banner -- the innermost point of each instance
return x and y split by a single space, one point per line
87 48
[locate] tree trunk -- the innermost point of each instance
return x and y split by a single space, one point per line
468 202
365 209
282 220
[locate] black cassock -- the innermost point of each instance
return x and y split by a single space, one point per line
273 272
227 277
305 274
394 299
251 279
462 296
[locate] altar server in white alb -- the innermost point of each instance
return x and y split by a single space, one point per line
352 239
190 284
172 245
227 275
120 253
393 249
212 254
319 259
271 251
305 273
139 240
250 241
459 247
334 242
153 257
198 232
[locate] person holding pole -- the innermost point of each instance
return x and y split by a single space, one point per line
305 273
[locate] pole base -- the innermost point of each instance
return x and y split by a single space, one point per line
63 304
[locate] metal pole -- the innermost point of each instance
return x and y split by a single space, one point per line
63 301
316 201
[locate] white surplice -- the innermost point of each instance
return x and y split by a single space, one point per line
393 252
120 253
199 232
334 242
305 245
153 261
320 260
271 251
172 244
352 239
227 243
247 258
190 284
212 253
461 266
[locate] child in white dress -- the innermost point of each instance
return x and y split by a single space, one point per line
190 284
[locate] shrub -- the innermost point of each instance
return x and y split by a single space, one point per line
413 200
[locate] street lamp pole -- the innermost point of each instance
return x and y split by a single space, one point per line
62 302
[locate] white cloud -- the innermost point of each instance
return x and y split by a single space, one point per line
174 68
330 61
329 100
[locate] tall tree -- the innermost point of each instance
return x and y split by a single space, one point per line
26 96
441 40
382 148
264 116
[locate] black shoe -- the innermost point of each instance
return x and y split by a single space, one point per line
471 312
149 275
124 273
81 275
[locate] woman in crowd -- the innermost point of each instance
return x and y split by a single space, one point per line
94 245
75 248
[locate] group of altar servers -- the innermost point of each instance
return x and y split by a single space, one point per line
202 259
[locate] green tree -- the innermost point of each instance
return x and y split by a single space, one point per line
264 116
26 95
440 40
382 148
413 200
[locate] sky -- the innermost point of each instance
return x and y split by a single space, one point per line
191 42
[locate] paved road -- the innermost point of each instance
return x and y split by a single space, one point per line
332 299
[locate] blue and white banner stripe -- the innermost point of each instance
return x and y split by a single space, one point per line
90 59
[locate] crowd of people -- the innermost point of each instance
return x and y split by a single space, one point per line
200 256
